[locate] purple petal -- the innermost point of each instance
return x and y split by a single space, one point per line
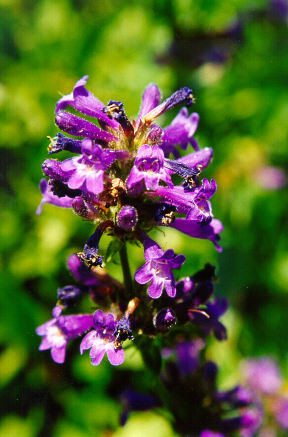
58 354
98 317
156 287
42 329
144 274
76 180
170 287
82 100
94 181
45 344
77 126
201 158
115 356
150 99
151 248
99 345
96 360
184 95
198 230
87 341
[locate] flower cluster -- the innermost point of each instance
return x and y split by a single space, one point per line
263 378
198 407
128 177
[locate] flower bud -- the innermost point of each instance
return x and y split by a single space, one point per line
164 319
127 218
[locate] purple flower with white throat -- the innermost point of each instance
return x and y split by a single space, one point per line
158 269
148 169
101 340
86 171
58 331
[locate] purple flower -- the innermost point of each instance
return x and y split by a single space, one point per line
192 202
271 178
149 169
102 339
251 421
86 172
281 412
158 269
263 375
184 95
208 231
150 99
50 197
209 322
58 331
180 132
83 101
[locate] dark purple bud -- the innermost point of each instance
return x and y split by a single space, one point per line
127 218
83 209
134 401
184 95
206 274
164 319
68 293
210 371
60 142
165 214
122 332
115 110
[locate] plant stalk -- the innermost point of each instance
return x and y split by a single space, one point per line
126 270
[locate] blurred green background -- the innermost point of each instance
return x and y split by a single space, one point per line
234 56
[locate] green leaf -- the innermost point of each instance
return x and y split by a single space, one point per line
113 248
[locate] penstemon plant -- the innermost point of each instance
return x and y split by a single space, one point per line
127 178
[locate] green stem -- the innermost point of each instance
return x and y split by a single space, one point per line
126 271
